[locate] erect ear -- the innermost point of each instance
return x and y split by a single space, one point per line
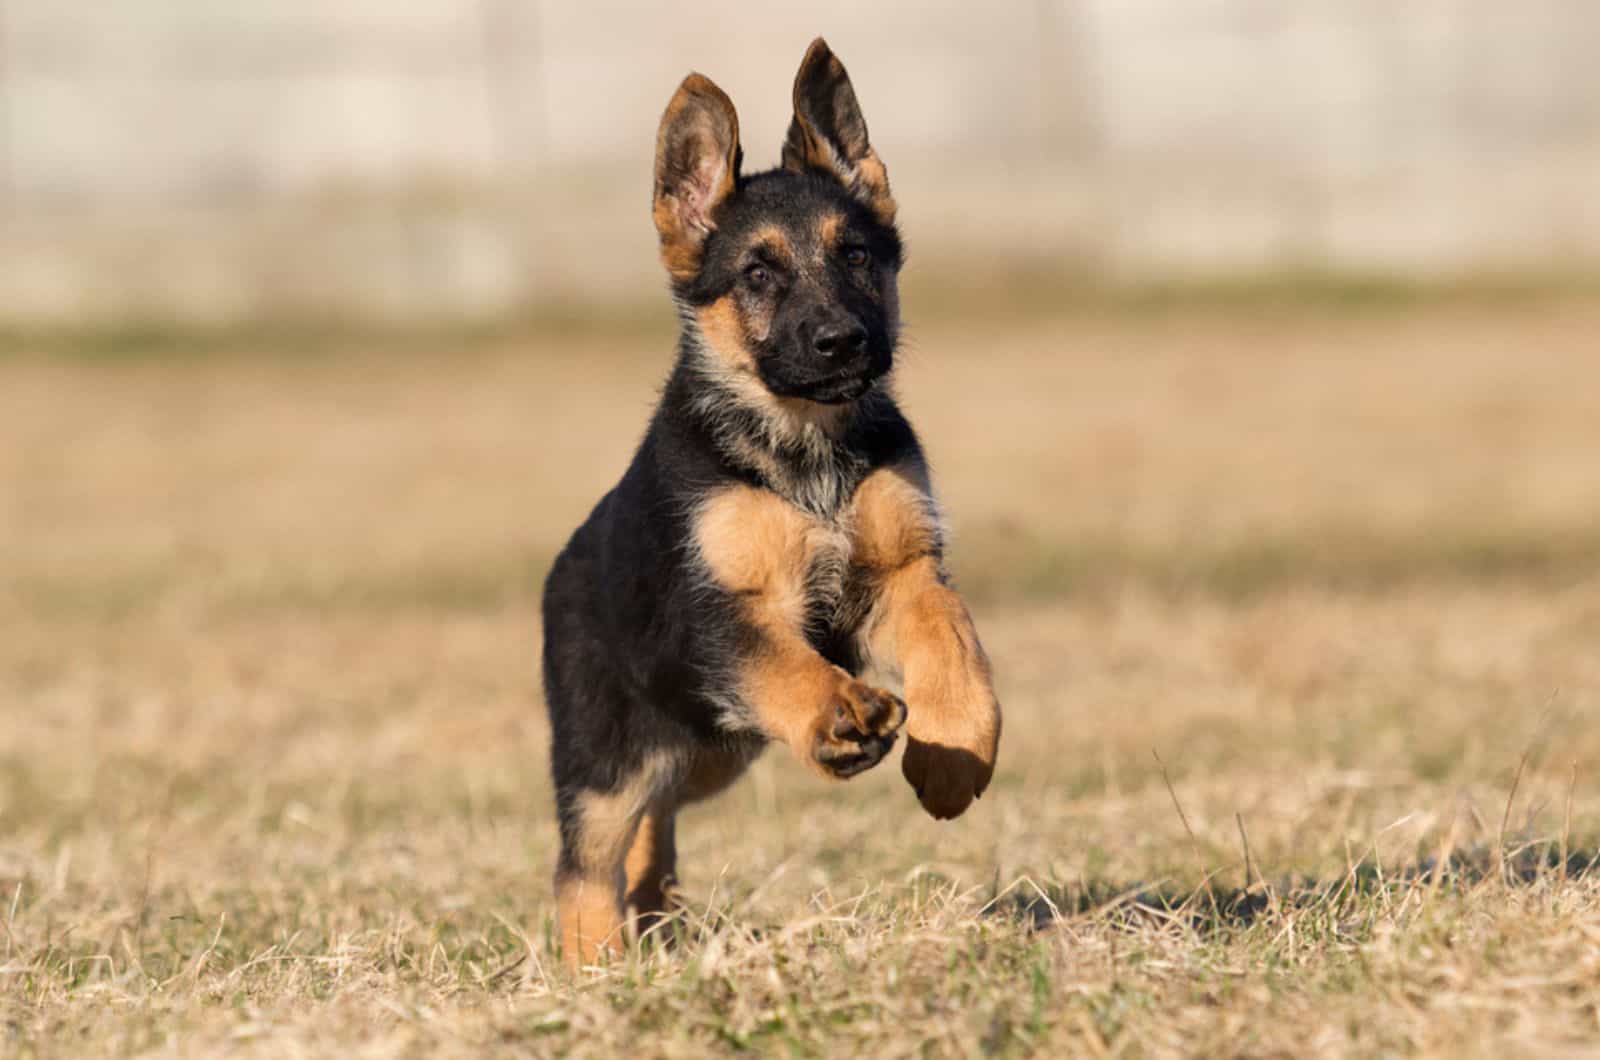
829 133
697 164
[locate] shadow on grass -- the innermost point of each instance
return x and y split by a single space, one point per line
1211 909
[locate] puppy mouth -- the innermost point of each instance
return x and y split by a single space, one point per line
840 389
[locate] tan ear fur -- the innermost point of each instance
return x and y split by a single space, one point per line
697 167
829 134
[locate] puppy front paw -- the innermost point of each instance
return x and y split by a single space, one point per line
856 728
947 778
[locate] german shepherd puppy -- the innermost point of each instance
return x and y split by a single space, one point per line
775 533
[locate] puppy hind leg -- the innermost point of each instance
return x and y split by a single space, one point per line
650 865
589 912
597 831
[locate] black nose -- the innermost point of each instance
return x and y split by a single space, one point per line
841 339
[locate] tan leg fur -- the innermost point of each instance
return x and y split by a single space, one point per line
953 727
759 547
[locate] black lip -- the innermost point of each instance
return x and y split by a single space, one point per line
839 389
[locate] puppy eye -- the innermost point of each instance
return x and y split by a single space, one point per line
857 257
757 276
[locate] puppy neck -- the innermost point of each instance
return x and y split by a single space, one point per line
805 451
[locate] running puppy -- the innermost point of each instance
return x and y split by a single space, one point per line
775 533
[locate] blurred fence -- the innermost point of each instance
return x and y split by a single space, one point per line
215 161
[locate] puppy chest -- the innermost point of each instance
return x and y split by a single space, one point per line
834 588
789 566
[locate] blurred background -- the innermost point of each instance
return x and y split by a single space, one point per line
180 161
310 309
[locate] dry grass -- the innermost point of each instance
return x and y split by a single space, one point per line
271 763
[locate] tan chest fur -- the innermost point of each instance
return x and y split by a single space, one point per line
789 564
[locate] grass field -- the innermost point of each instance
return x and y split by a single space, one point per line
1295 613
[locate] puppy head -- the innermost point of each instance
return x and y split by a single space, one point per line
791 275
